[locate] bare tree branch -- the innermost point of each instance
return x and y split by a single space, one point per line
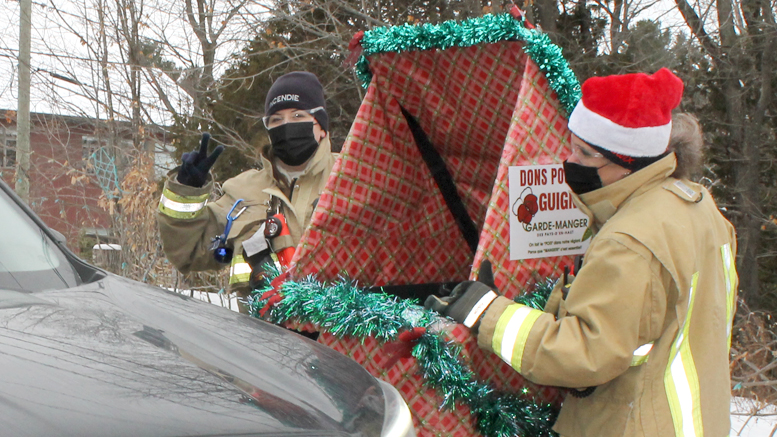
696 26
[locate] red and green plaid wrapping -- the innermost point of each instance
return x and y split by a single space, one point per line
383 221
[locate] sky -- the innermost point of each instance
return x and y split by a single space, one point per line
64 39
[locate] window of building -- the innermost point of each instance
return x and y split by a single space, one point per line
7 149
89 145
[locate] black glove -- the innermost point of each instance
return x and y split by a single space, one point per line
469 300
195 165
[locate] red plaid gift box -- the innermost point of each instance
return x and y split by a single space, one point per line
383 221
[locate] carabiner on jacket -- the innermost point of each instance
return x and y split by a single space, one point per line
221 252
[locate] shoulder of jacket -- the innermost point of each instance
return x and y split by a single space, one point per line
249 186
667 212
250 177
638 221
685 190
673 201
661 202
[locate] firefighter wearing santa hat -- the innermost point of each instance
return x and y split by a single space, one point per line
641 337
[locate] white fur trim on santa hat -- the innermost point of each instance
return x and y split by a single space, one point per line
603 132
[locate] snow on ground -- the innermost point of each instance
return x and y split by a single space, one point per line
748 418
751 419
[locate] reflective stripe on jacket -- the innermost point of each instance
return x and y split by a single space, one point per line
188 222
647 319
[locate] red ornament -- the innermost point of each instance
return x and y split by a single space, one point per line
355 50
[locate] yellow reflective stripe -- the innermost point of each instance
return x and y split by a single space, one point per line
182 207
239 270
681 380
512 331
499 330
184 199
641 355
730 273
169 209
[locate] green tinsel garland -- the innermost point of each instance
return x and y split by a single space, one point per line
344 309
539 297
481 30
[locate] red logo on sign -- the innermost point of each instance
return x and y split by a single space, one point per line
526 206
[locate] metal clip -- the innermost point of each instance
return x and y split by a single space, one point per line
221 252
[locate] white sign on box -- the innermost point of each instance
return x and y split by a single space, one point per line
544 221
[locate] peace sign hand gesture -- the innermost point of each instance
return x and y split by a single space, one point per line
196 165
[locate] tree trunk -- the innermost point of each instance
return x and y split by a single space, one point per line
744 59
745 139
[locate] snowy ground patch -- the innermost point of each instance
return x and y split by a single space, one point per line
752 419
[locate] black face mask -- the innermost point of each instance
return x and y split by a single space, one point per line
582 179
293 143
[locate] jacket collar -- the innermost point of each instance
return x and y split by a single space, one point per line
600 205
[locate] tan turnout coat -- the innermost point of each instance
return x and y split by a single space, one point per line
188 221
647 319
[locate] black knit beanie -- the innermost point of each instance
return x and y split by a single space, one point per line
299 90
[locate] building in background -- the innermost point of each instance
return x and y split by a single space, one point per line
73 163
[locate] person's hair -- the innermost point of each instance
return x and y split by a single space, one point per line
687 143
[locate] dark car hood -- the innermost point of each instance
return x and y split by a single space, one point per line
120 358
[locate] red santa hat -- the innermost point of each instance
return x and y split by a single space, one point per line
628 117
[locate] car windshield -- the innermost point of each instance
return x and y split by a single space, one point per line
29 260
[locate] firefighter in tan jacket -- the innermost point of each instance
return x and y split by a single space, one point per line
642 334
294 170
